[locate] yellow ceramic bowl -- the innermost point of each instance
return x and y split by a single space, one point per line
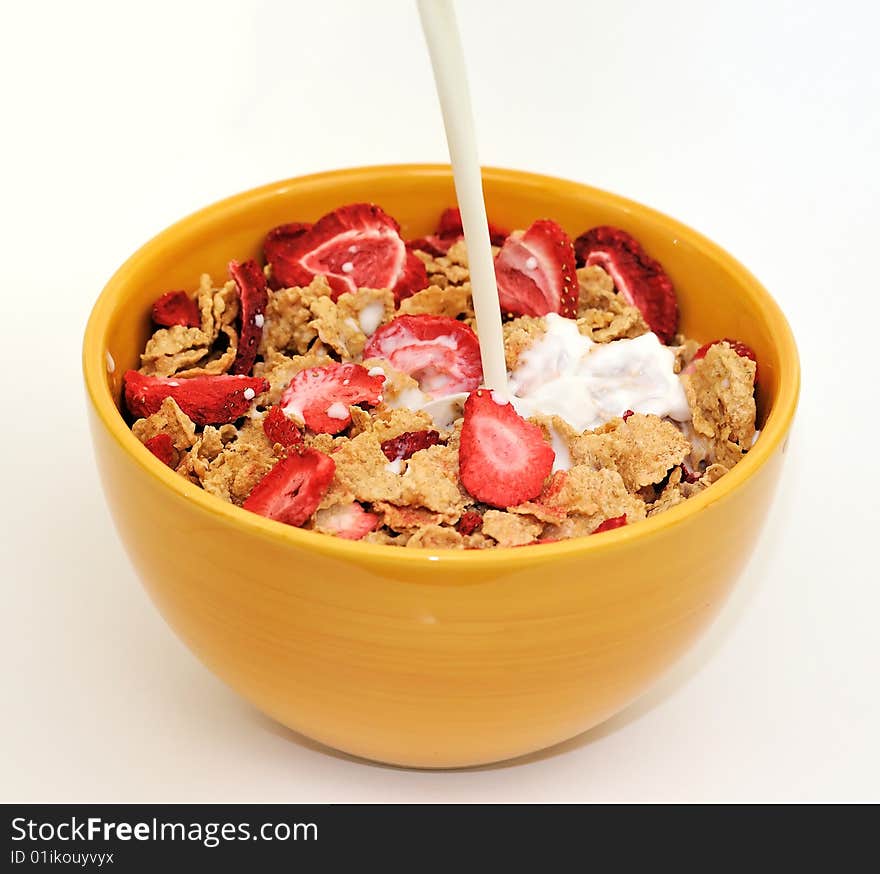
409 656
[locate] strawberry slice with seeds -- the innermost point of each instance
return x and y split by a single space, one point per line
321 396
162 447
349 521
503 459
442 354
449 231
637 276
293 488
405 445
253 296
277 248
176 308
738 346
356 246
207 400
279 429
535 272
610 524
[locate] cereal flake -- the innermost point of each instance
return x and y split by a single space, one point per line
643 449
510 529
720 391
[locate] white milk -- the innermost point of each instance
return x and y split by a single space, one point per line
447 58
566 374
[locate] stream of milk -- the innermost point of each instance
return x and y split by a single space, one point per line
447 58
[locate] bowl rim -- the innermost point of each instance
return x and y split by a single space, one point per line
94 354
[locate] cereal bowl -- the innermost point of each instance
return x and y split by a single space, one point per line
417 657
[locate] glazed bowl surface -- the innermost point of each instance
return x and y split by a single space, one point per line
415 657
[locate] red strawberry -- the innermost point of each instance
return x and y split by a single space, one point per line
430 244
449 225
162 447
251 284
292 490
449 231
535 272
405 445
637 276
610 524
442 354
321 396
688 475
503 459
279 429
738 346
470 522
176 308
349 521
357 246
276 247
414 278
207 400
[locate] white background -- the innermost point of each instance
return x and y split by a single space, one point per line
756 122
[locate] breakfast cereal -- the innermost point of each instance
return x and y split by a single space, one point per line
338 387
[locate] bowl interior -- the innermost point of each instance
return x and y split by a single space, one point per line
717 296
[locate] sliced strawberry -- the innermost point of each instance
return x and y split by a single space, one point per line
442 354
432 244
497 235
470 522
610 524
321 396
535 272
176 308
162 446
292 490
279 429
276 249
207 400
405 445
357 246
637 276
449 225
503 459
251 283
449 231
738 346
414 278
349 521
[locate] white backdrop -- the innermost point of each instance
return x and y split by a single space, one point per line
757 122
